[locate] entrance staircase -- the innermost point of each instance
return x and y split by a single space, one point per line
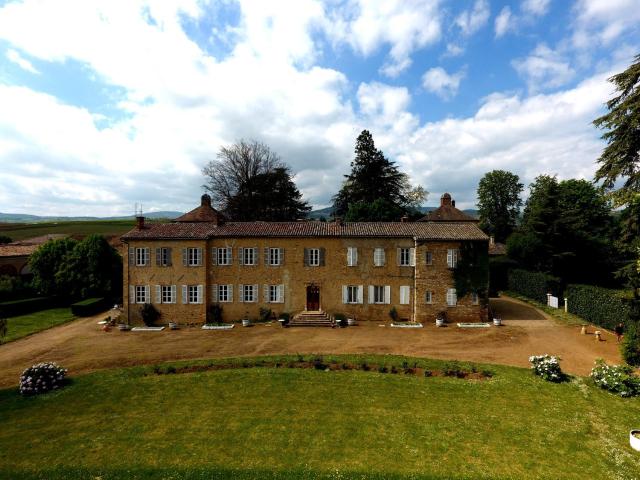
311 319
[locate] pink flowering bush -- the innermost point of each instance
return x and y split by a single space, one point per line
42 378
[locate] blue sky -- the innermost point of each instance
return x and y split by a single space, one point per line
108 104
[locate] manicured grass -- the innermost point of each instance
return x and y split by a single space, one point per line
23 325
281 423
20 231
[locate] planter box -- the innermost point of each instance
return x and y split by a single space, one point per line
474 325
246 323
407 325
633 440
351 322
217 327
439 322
497 322
147 329
123 327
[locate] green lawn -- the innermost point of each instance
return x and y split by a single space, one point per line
18 327
20 231
281 423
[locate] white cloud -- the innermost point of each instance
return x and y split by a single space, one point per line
600 22
544 68
535 7
504 22
470 21
23 63
453 50
437 80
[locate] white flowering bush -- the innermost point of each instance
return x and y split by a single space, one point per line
41 378
618 379
547 367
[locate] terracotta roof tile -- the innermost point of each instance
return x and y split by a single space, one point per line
15 250
447 213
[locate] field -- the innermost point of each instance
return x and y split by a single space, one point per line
23 325
257 422
21 231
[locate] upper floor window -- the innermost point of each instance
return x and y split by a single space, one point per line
274 256
352 256
192 257
406 257
378 257
428 297
221 256
428 258
249 256
452 257
314 257
142 257
163 257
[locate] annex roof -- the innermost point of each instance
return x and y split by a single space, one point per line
447 212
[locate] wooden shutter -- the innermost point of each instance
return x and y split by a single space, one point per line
399 255
169 262
147 294
214 256
345 294
405 293
306 257
241 293
158 257
355 256
158 294
185 257
229 255
200 294
255 293
173 294
371 294
280 293
321 255
265 293
281 256
185 295
132 256
230 293
147 257
266 256
256 257
387 294
214 293
360 293
132 294
412 257
241 258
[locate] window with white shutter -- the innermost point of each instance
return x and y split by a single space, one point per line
168 293
352 256
224 293
249 256
142 256
405 295
452 257
140 294
452 298
223 256
158 294
274 256
378 257
377 294
406 257
194 257
163 257
350 294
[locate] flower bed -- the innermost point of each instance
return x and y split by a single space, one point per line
42 378
617 379
547 367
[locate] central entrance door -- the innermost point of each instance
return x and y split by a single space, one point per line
313 298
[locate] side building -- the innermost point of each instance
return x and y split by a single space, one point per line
359 269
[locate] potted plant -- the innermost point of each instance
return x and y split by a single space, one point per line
393 314
441 318
149 314
173 326
245 321
634 439
284 319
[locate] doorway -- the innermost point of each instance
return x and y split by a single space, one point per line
313 298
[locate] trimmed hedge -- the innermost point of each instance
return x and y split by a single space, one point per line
89 307
534 285
27 305
601 306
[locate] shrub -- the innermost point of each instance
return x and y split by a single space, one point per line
428 373
630 348
215 313
533 285
28 305
265 314
393 314
88 307
383 369
547 367
42 378
618 379
149 314
600 306
364 366
318 364
453 369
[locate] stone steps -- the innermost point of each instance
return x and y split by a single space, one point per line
311 319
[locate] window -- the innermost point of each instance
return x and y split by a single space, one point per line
452 298
195 256
379 294
141 294
378 257
428 297
474 298
249 293
195 294
163 257
249 256
351 294
274 293
274 256
428 257
406 257
142 257
222 256
167 293
405 295
314 257
352 256
452 258
224 293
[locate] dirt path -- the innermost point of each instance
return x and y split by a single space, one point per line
82 347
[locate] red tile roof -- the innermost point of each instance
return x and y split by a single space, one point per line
15 250
204 213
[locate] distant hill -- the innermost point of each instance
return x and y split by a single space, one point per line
328 212
25 218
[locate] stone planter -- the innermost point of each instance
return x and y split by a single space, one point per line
123 327
634 439
173 326
351 322
439 322
497 322
246 322
217 327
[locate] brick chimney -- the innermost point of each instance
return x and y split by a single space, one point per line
140 222
453 203
445 199
205 200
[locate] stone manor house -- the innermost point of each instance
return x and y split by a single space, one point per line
360 269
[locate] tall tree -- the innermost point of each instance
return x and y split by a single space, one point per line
249 181
375 189
499 203
47 261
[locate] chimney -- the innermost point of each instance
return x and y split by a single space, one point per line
205 200
445 199
140 222
453 203
404 219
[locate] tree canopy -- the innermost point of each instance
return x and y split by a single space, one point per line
375 190
249 181
499 203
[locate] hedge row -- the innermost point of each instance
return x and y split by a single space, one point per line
534 285
27 305
600 306
89 307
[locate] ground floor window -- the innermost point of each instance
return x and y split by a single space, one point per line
249 293
224 293
275 293
168 294
194 294
452 298
405 295
352 293
379 294
141 294
428 297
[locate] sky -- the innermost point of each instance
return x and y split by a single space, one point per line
105 104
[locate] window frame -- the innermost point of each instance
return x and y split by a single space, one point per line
246 255
254 295
194 256
352 256
352 294
166 294
274 253
142 256
226 293
314 257
379 254
452 258
378 294
452 294
223 253
140 298
428 258
428 297
193 298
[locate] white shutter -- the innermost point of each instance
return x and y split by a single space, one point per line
158 294
147 258
399 255
387 294
281 256
132 256
383 256
199 254
200 294
280 293
265 293
229 255
255 293
255 256
185 257
352 256
452 299
173 294
132 294
371 294
147 294
412 257
158 256
241 259
360 293
214 256
266 255
345 294
230 293
405 292
214 293
241 293
185 293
